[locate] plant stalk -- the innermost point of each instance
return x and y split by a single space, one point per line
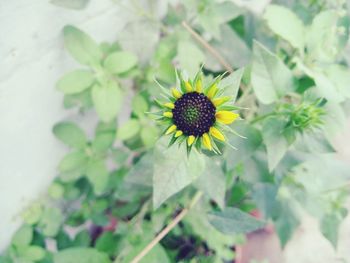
168 228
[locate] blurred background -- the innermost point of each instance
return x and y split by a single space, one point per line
33 59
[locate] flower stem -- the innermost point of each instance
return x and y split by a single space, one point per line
168 228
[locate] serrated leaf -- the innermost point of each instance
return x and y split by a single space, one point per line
120 61
107 101
82 47
75 81
80 255
271 78
70 134
291 27
97 173
276 143
233 221
173 171
129 129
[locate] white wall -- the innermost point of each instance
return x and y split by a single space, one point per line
32 59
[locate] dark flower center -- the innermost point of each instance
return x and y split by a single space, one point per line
194 114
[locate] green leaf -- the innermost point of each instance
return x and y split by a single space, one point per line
213 182
141 172
326 88
71 4
323 44
291 28
216 14
330 227
340 78
264 195
32 215
237 57
190 57
245 147
105 136
120 61
70 134
149 135
230 84
217 241
81 46
323 166
156 255
285 224
139 105
80 255
56 191
23 236
233 221
314 142
107 101
51 221
75 81
128 130
34 253
75 161
276 143
271 79
98 175
173 171
107 243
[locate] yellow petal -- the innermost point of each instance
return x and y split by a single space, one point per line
206 141
171 129
212 91
199 85
176 94
219 101
216 133
168 114
178 134
169 105
226 117
188 86
190 140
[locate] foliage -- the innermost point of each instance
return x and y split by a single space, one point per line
117 187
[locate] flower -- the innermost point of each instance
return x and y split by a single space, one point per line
196 114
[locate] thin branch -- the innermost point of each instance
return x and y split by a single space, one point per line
167 229
207 46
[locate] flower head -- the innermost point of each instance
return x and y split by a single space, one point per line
196 114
